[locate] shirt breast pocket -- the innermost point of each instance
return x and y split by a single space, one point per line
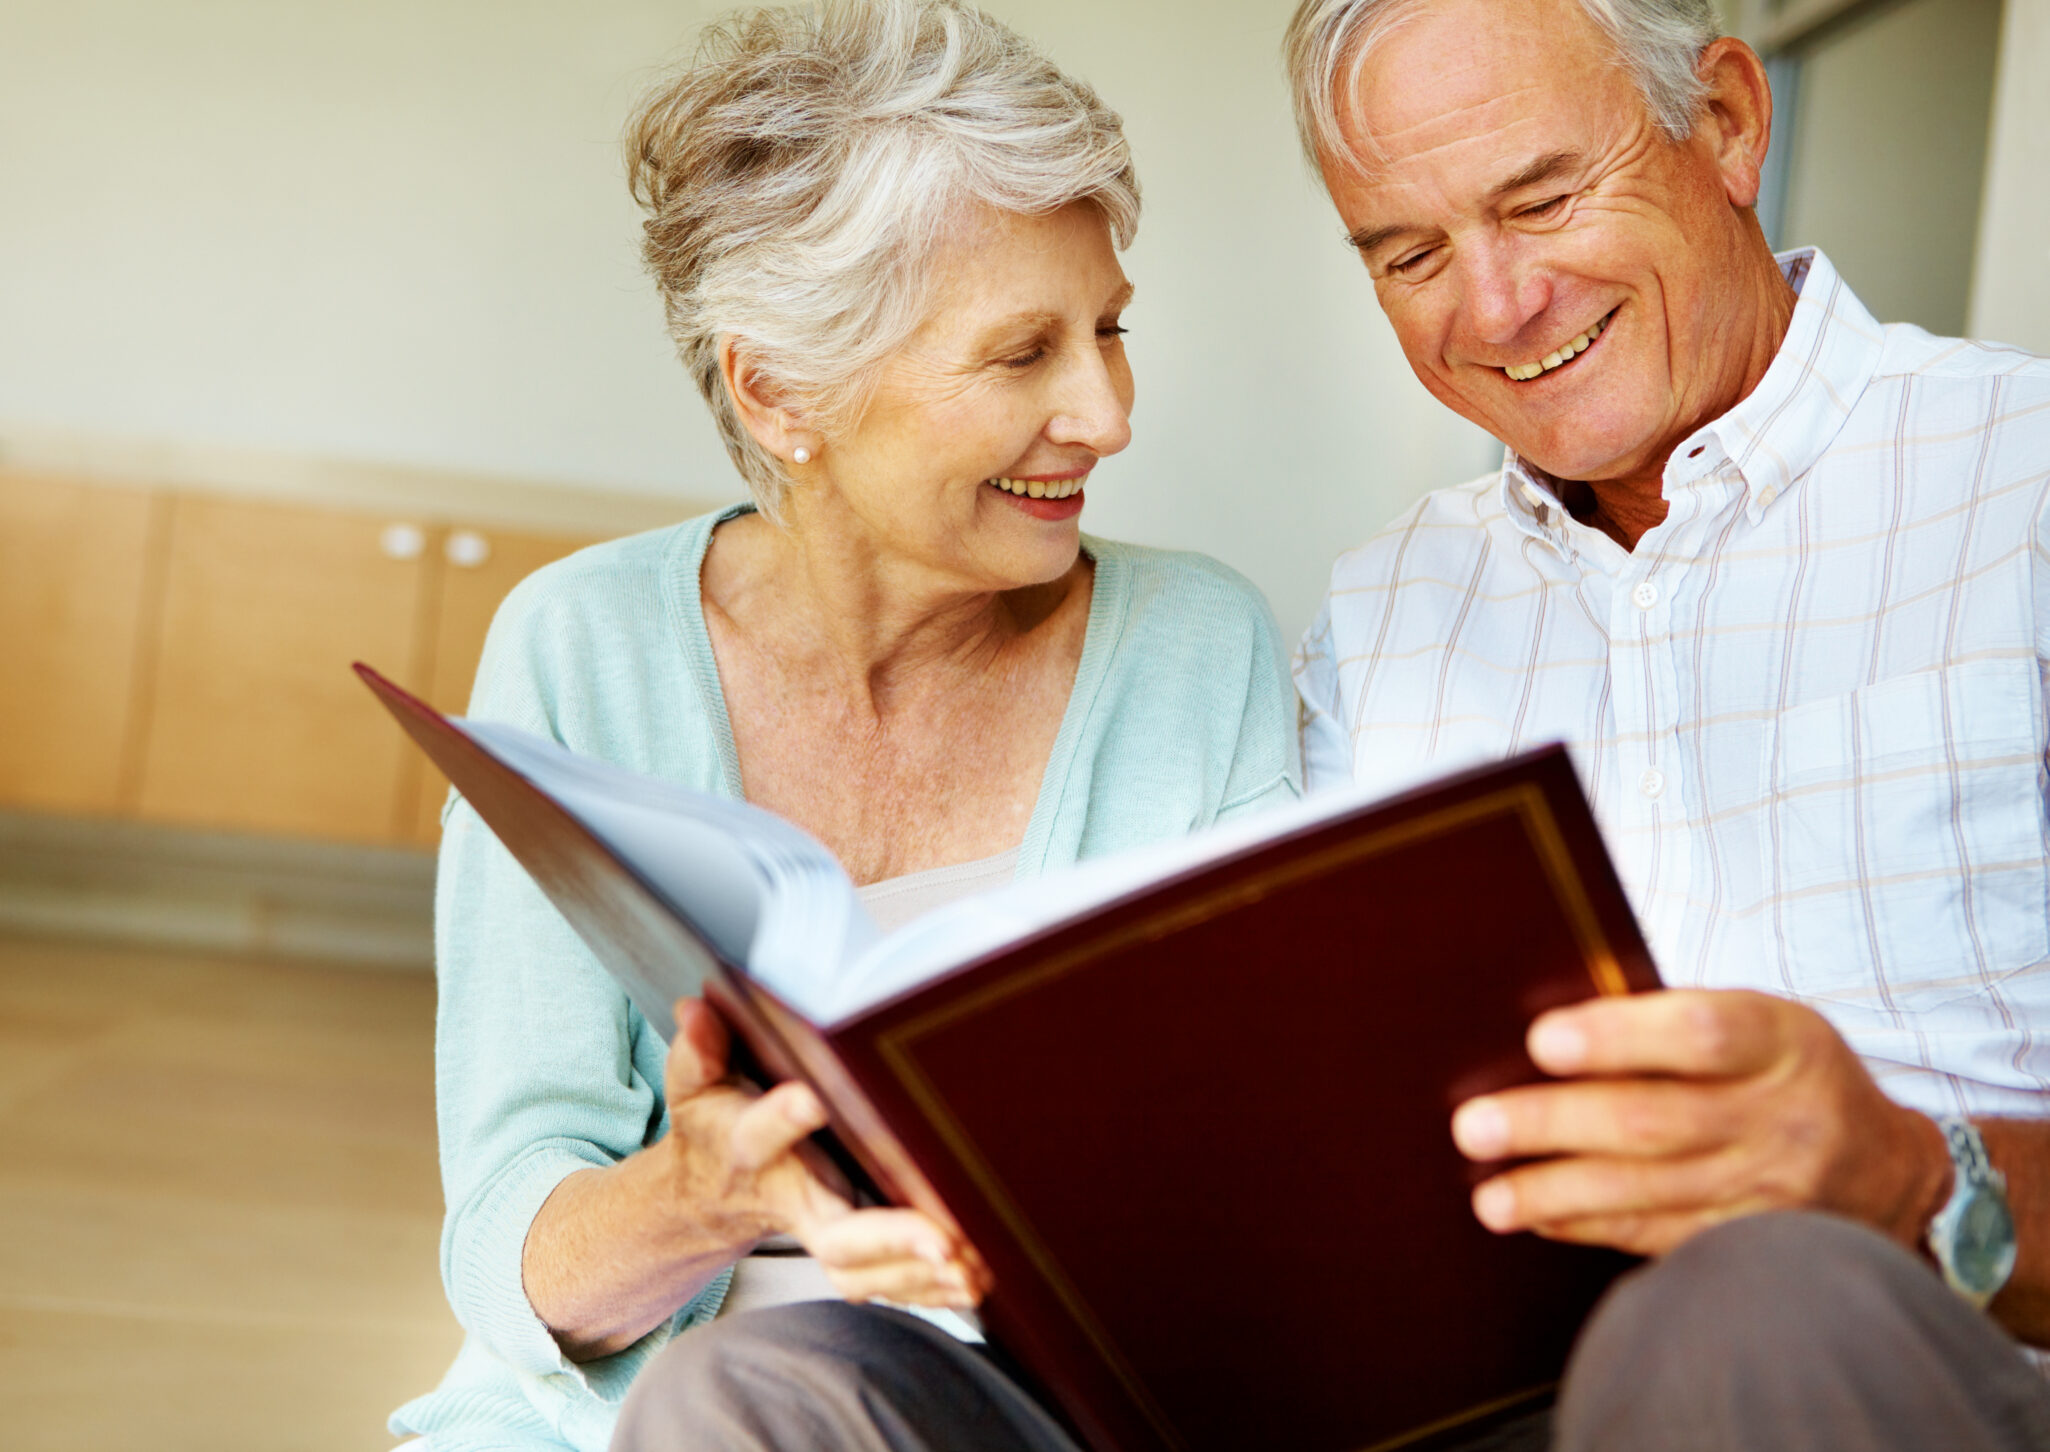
1905 837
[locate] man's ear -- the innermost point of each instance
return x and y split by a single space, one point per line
1737 120
763 405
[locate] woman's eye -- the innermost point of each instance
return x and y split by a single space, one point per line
1023 360
1112 330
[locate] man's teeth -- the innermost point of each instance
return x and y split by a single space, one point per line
1038 489
1524 372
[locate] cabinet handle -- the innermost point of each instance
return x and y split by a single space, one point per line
402 541
466 549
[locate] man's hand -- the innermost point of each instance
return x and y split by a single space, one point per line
1687 1108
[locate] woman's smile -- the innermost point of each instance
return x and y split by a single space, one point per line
1048 497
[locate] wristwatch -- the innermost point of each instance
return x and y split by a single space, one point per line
1972 1237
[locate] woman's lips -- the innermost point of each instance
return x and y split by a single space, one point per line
1043 497
1049 509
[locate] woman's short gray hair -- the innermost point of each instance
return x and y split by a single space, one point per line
1329 41
800 175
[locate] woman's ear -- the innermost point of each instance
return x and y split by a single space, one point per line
764 408
1737 121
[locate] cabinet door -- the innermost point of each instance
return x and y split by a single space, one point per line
479 568
258 722
73 568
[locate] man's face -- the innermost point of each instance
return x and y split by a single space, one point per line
1519 202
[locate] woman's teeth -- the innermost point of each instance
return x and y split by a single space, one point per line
1524 372
1040 489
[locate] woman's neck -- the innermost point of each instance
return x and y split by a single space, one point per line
875 622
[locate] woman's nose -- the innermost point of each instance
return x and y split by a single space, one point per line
1095 403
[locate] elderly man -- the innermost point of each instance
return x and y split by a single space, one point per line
1781 577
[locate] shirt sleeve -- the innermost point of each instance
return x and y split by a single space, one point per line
1326 748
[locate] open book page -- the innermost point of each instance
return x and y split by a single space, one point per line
969 929
764 894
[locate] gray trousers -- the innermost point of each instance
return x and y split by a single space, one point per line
1794 1333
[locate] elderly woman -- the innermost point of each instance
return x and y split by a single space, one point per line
885 235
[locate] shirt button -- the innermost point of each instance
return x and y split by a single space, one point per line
1766 496
1645 595
1652 783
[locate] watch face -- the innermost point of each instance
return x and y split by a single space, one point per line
1982 1251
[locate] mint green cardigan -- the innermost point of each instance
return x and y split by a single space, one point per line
1181 716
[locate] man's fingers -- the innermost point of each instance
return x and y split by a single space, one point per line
1590 1188
1598 1117
697 1054
1709 1034
775 1124
1647 1235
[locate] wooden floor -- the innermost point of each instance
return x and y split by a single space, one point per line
218 1202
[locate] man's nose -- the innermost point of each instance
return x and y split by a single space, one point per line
1504 291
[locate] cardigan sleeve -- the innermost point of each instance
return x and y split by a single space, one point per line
541 1065
1266 767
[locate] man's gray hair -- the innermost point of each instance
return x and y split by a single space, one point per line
1329 42
801 175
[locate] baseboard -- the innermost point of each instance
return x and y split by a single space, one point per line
172 887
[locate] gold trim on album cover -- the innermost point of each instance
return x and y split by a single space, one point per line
1526 800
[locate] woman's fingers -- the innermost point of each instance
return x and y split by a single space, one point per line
906 1282
874 1236
697 1054
896 1255
775 1124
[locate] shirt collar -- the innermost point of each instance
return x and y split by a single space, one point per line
1778 433
1829 356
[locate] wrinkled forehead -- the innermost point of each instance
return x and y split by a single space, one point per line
1474 83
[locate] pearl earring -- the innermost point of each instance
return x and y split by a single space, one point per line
801 454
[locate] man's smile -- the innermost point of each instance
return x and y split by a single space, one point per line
1565 353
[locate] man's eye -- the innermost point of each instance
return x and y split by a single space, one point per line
1545 208
1412 263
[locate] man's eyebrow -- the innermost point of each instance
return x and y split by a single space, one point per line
1366 243
1552 164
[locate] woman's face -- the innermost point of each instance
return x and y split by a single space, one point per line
1018 375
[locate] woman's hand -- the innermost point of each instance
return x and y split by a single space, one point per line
746 1157
738 1162
613 1252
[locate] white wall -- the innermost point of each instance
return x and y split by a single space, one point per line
2011 295
396 230
1889 148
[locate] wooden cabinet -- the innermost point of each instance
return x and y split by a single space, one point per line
184 657
256 721
75 562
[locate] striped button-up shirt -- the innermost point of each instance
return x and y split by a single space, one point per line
1809 707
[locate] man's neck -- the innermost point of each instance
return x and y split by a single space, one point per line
1628 508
